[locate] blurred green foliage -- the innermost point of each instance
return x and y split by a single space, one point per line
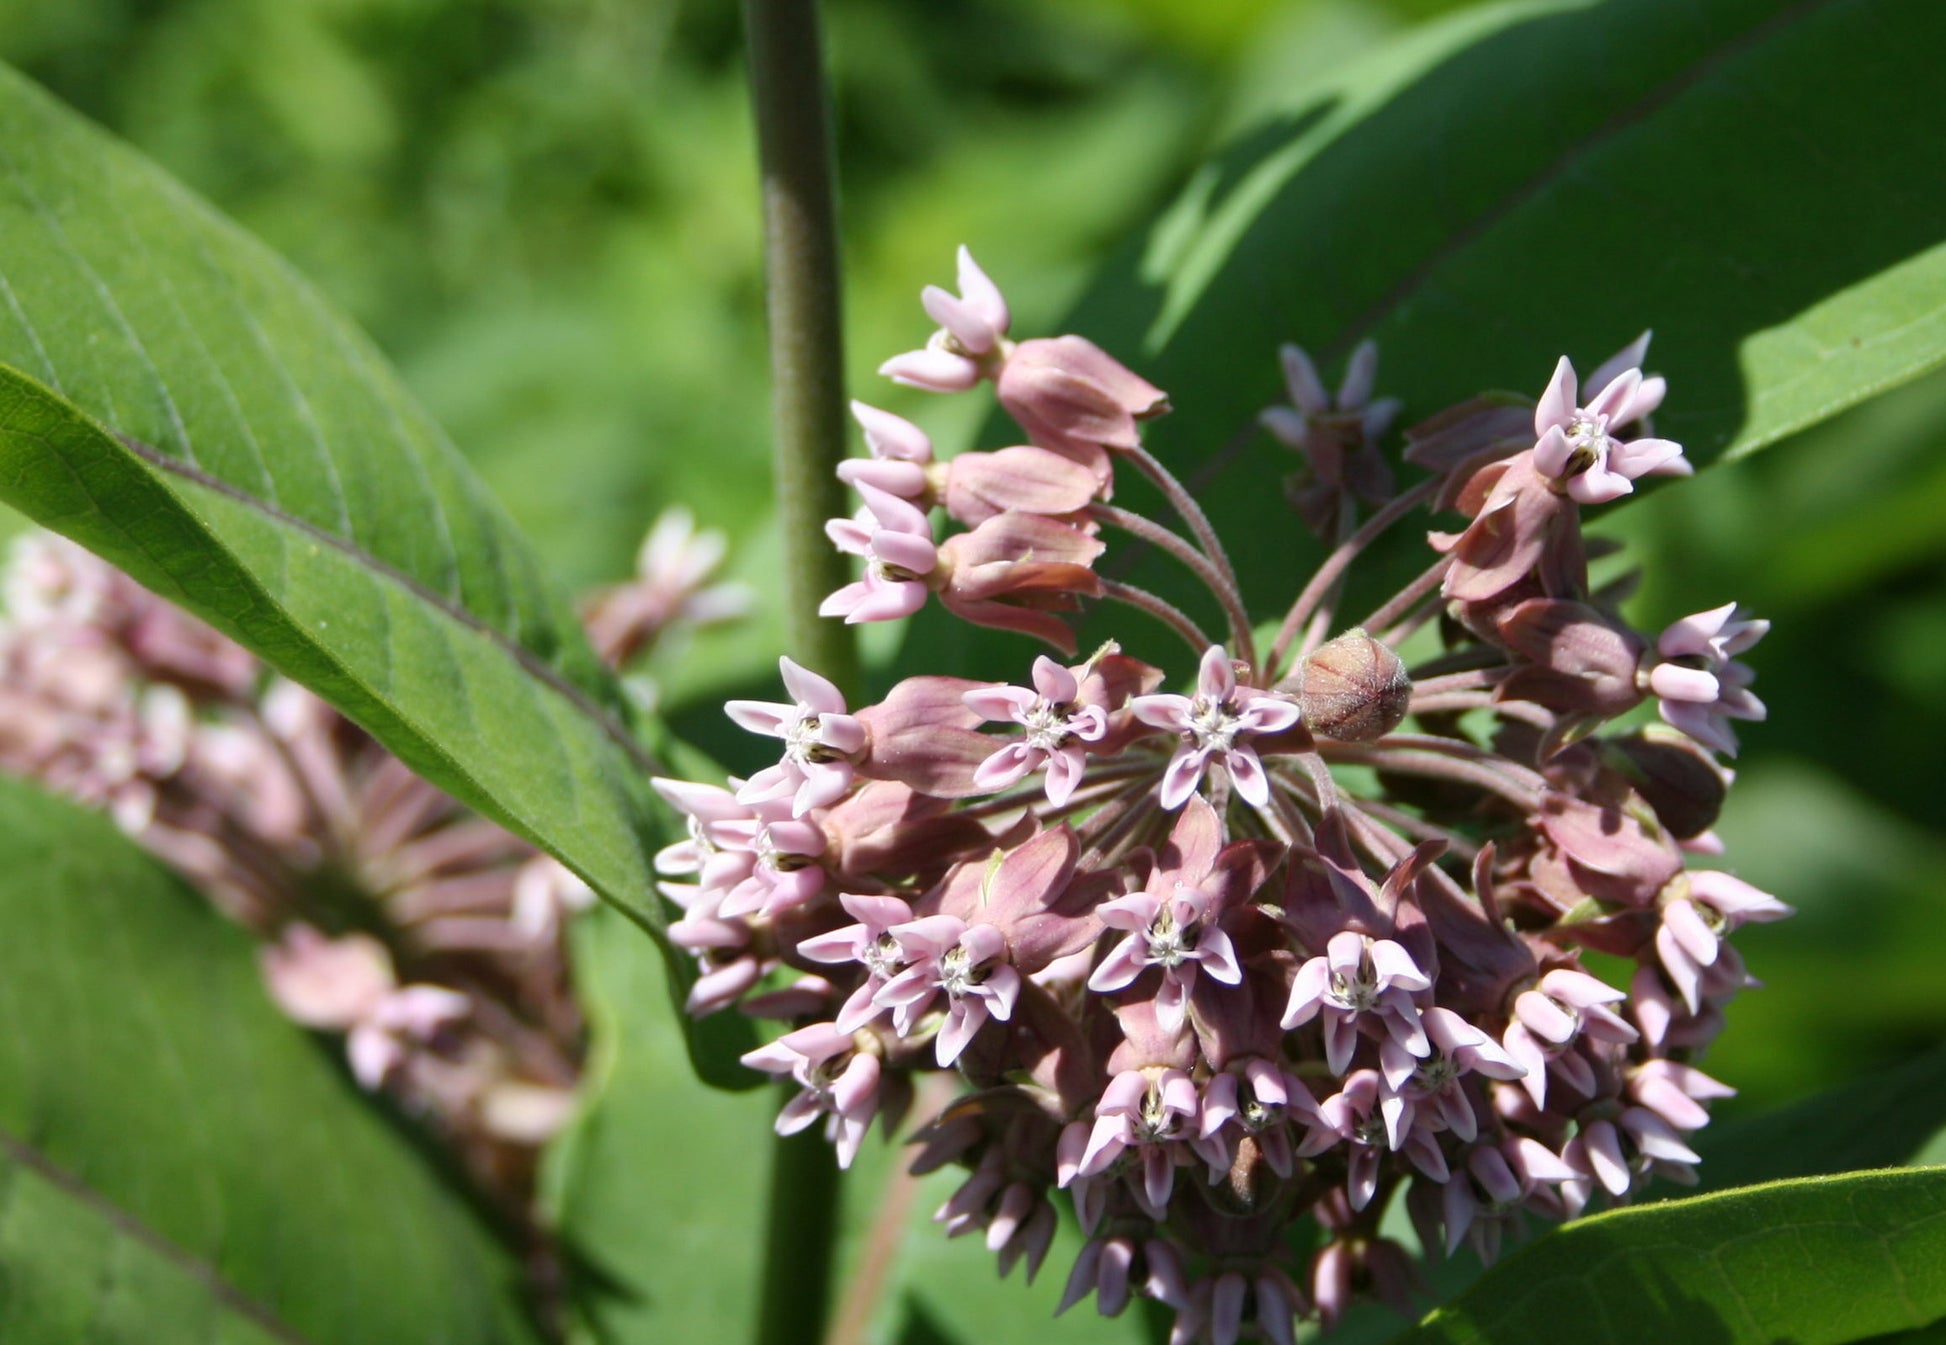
545 211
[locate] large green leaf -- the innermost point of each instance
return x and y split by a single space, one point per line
178 1163
1821 1259
185 406
1763 182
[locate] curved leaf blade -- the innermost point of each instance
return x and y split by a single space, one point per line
457 701
1816 1261
1759 181
179 1162
194 412
148 311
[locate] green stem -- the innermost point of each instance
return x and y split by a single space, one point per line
799 1238
808 417
806 340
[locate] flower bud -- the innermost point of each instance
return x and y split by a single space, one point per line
1352 689
1677 778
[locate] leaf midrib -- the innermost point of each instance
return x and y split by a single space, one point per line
133 1227
530 662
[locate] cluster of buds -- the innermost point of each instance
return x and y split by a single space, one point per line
427 936
1184 970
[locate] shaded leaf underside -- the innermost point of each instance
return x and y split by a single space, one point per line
177 1161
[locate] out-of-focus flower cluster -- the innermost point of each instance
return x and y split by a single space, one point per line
428 936
1186 973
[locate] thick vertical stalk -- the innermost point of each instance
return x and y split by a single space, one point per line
807 398
806 343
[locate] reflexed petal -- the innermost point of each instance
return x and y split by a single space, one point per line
981 294
1185 772
1216 675
1302 381
1678 683
890 436
1361 376
933 370
1557 404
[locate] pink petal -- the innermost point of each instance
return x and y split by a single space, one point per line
981 295
1184 773
933 370
1557 404
1302 381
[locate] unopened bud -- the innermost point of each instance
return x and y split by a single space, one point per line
1676 777
1352 689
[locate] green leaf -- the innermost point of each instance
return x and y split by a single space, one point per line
1821 1259
1760 182
177 1161
1879 1120
185 406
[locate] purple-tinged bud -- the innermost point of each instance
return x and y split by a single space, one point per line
1577 660
1674 776
1352 689
1024 479
1015 570
1074 398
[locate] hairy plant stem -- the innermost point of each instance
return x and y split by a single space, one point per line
1400 604
1161 609
1222 588
1336 564
806 337
1230 593
808 417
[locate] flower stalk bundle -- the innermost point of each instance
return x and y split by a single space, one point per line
1184 971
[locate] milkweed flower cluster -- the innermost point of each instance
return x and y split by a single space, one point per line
1186 973
443 964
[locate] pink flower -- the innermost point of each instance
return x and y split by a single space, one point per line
1338 439
1215 724
1353 1115
1701 685
838 1082
1360 979
901 454
1700 908
1486 1194
965 963
1055 727
1173 924
1149 1114
1435 1084
820 742
895 538
671 583
1258 1098
972 325
870 943
1548 1018
1577 444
